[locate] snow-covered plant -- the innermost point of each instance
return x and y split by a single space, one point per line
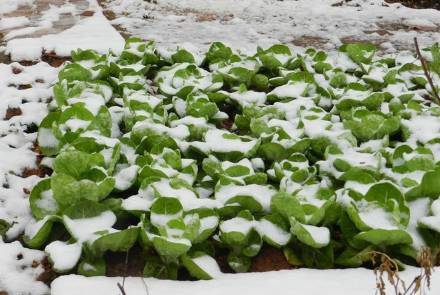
327 156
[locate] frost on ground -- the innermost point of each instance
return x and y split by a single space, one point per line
242 24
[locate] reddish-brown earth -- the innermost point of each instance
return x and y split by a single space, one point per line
12 112
269 259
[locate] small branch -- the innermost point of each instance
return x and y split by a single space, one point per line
145 286
121 288
426 71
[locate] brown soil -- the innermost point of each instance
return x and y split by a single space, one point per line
110 15
48 275
309 41
387 26
222 261
418 3
12 112
16 70
54 60
437 260
87 13
206 17
116 263
269 259
227 124
39 171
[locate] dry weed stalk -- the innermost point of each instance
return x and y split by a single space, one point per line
425 66
122 286
389 268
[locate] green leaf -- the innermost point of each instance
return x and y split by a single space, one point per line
47 141
201 266
273 151
182 56
92 268
166 206
353 258
313 236
156 268
361 53
170 247
102 122
292 257
67 190
73 72
287 206
431 184
274 230
76 163
4 227
239 263
41 200
85 209
322 258
120 241
37 234
382 237
218 52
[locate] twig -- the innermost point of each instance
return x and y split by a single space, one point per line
122 286
145 286
426 71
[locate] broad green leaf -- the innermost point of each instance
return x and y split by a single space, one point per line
313 236
201 266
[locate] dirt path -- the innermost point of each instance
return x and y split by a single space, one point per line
36 12
170 24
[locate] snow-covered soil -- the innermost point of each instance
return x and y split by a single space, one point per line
20 268
24 93
33 18
57 29
245 23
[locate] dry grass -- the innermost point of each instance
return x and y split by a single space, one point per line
386 269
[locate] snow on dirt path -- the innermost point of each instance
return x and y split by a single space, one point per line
243 24
57 28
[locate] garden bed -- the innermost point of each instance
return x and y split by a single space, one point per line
191 163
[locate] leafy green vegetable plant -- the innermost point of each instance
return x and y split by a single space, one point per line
325 156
